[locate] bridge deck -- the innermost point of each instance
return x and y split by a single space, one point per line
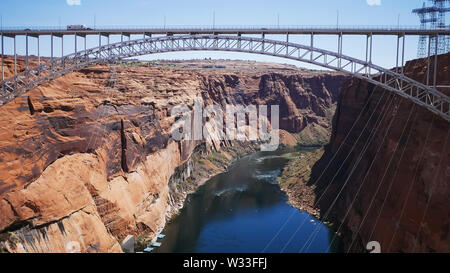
36 31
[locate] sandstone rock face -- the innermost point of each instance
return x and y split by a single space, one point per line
394 183
86 159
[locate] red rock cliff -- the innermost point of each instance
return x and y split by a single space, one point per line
395 182
88 157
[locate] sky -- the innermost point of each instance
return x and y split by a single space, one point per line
31 13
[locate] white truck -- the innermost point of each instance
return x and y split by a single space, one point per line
76 27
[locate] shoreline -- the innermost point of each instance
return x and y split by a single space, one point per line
294 178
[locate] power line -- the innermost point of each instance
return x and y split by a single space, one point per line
370 138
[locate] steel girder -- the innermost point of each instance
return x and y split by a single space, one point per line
398 83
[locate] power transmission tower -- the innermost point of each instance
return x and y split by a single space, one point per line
434 16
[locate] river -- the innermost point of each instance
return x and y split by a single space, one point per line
244 210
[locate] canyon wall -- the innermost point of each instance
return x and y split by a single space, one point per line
88 158
388 180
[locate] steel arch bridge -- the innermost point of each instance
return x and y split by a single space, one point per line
393 81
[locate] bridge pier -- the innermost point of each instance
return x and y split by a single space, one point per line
62 51
39 55
428 61
15 57
239 41
39 49
121 41
399 67
339 50
51 50
262 44
76 50
15 63
396 59
26 52
3 61
435 62
369 52
403 55
287 42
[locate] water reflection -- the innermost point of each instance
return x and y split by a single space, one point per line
241 211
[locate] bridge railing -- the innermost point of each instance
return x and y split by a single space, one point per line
221 27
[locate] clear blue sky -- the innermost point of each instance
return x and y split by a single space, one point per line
229 12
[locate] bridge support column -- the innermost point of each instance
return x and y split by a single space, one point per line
109 49
39 49
262 44
312 45
75 59
3 61
26 51
15 57
62 50
428 61
76 50
339 50
216 42
369 51
399 67
62 46
287 42
435 62
403 54
39 55
239 41
121 42
51 50
397 53
15 63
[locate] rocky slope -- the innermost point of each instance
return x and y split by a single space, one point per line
88 158
295 176
393 187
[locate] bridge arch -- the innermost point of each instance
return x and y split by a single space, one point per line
398 83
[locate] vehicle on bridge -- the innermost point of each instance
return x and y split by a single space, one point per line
76 27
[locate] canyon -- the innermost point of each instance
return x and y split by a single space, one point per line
87 159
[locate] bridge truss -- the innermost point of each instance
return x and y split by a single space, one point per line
393 80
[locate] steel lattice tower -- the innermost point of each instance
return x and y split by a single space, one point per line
434 16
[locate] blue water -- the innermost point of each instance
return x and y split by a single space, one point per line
244 210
